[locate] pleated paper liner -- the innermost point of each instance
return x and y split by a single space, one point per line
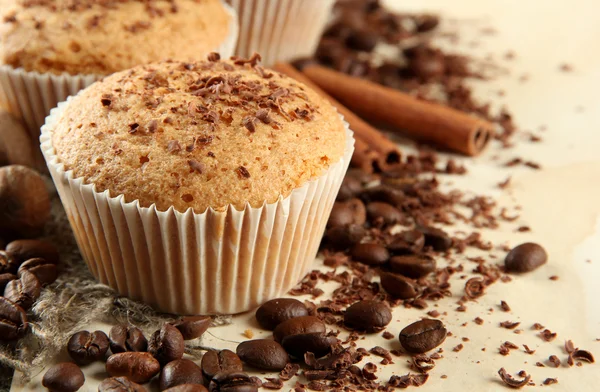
197 263
31 95
280 30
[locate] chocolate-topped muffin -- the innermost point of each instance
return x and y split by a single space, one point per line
224 171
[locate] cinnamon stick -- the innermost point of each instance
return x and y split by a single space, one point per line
419 119
373 150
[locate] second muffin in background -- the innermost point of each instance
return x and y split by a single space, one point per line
198 187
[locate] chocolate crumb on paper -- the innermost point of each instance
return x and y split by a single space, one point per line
512 382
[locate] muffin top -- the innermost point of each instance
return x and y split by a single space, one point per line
105 36
204 134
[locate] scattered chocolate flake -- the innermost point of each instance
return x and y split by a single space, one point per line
423 363
263 115
133 128
522 229
509 324
415 380
461 308
253 60
547 335
152 126
582 355
434 313
369 371
504 306
528 350
248 122
213 57
272 383
566 67
553 277
550 381
388 335
458 348
570 347
382 352
478 321
539 364
196 166
242 172
505 184
554 361
537 327
533 165
510 381
474 288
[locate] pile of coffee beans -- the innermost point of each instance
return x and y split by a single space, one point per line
132 359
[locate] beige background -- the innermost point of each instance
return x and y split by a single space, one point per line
561 203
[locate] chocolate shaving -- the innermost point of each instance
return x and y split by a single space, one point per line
528 350
509 324
550 381
554 361
272 383
242 172
248 122
510 381
474 288
253 60
289 371
196 166
133 128
504 306
173 146
423 363
547 335
213 57
570 347
582 355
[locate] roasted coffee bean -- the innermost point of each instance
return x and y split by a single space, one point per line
378 210
179 372
343 237
63 377
166 344
274 312
297 326
4 279
438 239
45 271
192 327
348 212
8 265
86 347
224 361
383 193
187 388
371 254
362 40
23 250
24 291
368 315
138 367
525 257
13 321
350 188
413 266
407 242
422 336
317 343
125 338
119 384
263 354
232 382
398 286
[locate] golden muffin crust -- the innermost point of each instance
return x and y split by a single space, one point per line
105 36
199 135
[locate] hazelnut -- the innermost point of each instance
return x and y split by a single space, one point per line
24 202
15 144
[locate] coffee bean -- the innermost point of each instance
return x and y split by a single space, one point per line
343 237
413 266
119 384
371 254
187 388
362 40
398 286
125 338
224 361
385 194
166 344
263 354
317 343
63 377
232 382
45 271
8 265
138 367
13 321
4 279
192 327
23 250
23 291
348 212
368 315
438 239
422 336
274 312
178 372
407 242
525 257
297 326
350 188
389 214
85 347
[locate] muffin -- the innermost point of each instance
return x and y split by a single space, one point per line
52 49
280 30
199 188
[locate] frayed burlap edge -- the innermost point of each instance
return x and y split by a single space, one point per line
73 303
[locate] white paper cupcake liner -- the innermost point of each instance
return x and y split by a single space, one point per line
31 95
280 30
189 263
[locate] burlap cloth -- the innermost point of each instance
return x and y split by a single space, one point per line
72 303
